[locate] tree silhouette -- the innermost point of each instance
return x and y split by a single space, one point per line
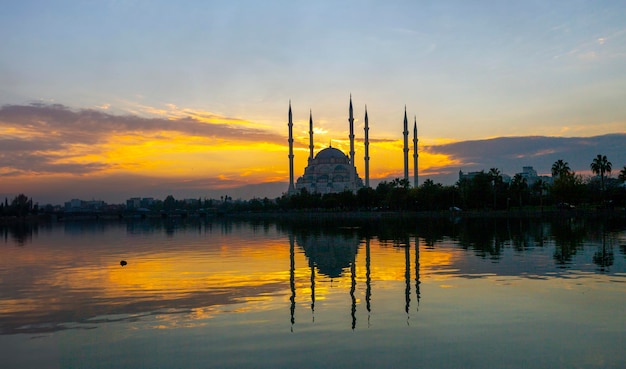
21 205
622 174
518 187
169 204
601 166
538 188
496 177
560 168
568 188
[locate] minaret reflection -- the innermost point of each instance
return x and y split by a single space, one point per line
331 255
417 271
352 289
407 278
368 280
312 266
292 281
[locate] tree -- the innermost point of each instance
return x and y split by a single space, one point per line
601 166
538 188
21 205
622 174
398 196
560 168
400 183
169 204
366 197
568 188
519 187
496 177
428 194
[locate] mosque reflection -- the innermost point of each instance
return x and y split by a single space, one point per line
198 265
331 255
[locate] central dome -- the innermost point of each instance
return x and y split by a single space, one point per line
330 153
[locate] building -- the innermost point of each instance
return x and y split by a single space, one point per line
82 206
330 170
531 177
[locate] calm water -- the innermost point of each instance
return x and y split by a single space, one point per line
383 294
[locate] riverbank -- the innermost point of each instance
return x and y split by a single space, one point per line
331 215
530 213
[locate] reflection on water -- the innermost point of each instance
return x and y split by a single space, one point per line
243 280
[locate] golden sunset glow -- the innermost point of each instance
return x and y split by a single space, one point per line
196 150
166 275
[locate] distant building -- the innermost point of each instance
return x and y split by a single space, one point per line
469 175
81 206
531 177
192 202
135 203
73 204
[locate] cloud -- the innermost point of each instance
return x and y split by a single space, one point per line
510 154
51 138
53 153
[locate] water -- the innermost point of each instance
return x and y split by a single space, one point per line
380 294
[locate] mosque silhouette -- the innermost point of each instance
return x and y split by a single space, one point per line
332 171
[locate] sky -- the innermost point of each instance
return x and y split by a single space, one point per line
115 99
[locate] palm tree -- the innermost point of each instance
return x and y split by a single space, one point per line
518 186
560 168
622 174
496 177
601 166
539 187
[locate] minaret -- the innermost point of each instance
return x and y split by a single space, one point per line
367 151
415 153
406 147
351 120
310 136
291 189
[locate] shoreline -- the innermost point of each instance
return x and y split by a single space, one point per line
326 215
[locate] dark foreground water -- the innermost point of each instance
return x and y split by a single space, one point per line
352 294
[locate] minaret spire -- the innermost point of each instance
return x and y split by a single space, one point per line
367 150
291 189
351 120
310 135
406 147
415 153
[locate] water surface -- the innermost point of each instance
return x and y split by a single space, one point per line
228 294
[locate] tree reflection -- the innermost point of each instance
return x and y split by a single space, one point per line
568 235
604 258
20 232
479 235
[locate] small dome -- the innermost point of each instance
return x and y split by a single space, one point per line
329 153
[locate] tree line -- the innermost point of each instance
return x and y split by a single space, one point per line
20 206
483 191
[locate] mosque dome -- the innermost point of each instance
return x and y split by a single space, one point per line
329 172
330 153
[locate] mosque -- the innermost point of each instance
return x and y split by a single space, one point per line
331 170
